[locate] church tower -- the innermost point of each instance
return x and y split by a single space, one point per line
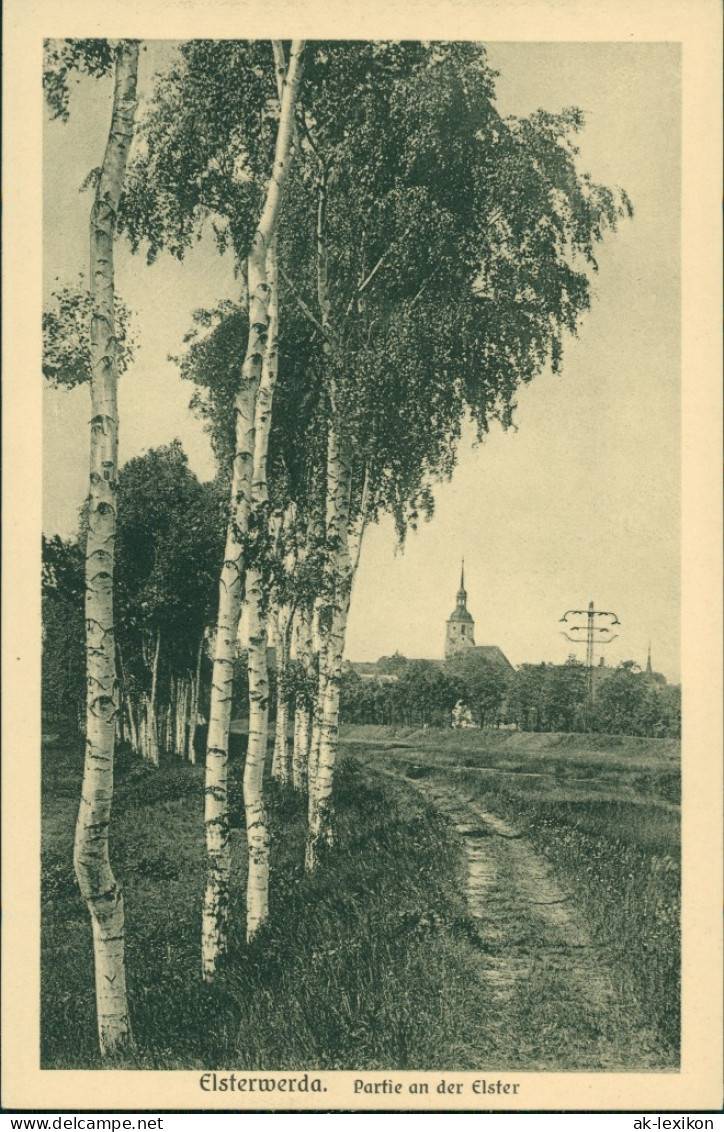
460 629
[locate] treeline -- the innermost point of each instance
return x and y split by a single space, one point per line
407 259
626 700
168 548
542 697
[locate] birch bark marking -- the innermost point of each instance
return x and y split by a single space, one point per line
215 928
304 648
281 744
339 484
275 643
302 708
152 714
322 609
99 887
257 826
281 762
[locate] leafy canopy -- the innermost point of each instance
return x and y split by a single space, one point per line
66 335
457 247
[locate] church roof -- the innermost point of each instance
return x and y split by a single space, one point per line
494 654
460 614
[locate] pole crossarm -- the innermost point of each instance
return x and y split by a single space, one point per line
595 634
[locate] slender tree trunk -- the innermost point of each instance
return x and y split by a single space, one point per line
179 691
346 540
131 719
186 716
334 619
195 700
320 642
151 729
302 710
324 604
315 726
296 736
169 728
182 702
282 760
257 828
143 727
214 932
127 730
99 887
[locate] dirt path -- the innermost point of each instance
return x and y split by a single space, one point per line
533 939
507 880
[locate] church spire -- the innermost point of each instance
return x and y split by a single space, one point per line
460 629
462 598
649 670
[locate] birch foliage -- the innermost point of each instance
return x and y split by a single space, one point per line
433 255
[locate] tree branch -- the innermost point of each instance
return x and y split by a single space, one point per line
300 302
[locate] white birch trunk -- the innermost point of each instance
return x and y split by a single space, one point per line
277 769
333 620
132 724
143 727
99 887
296 735
178 714
152 738
179 722
257 826
282 762
186 717
195 699
214 932
168 729
281 743
303 711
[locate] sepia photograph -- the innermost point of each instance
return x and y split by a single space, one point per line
361 586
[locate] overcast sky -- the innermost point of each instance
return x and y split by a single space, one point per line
581 503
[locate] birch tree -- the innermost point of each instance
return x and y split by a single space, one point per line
233 166
451 255
436 256
101 891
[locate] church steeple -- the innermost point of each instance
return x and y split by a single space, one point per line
649 670
460 629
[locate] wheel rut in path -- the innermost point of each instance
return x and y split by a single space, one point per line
537 959
523 918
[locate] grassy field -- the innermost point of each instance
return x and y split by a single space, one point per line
604 811
372 963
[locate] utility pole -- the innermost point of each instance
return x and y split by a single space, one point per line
596 634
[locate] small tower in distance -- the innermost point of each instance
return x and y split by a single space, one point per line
649 670
460 628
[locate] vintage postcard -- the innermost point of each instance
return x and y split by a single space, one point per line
362 607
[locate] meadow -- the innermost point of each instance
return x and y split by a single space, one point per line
374 962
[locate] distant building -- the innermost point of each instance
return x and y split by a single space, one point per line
460 628
460 631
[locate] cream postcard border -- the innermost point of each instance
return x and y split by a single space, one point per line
697 25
